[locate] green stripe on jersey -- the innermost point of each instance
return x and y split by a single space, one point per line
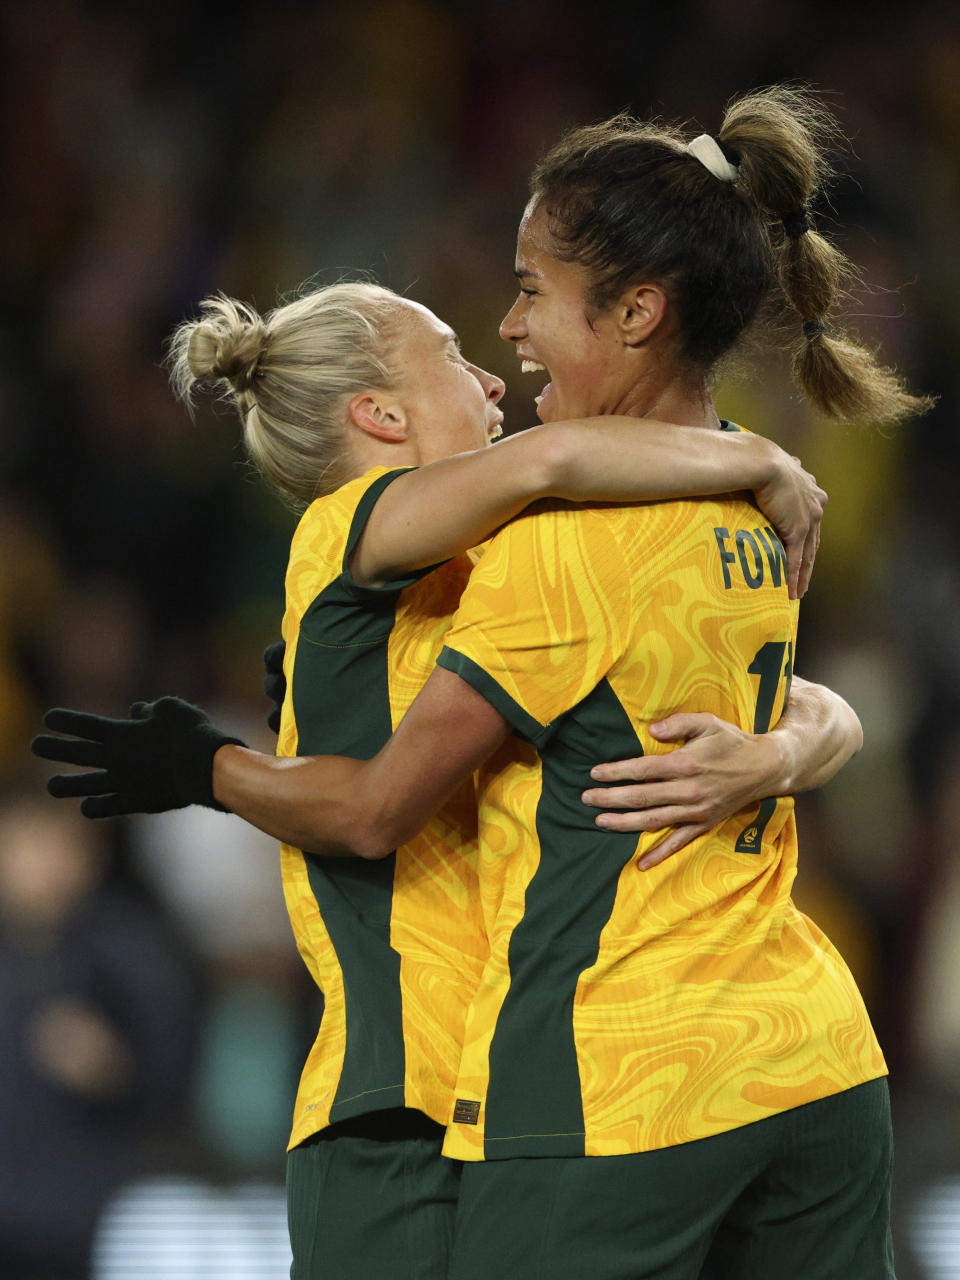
341 703
499 699
534 1103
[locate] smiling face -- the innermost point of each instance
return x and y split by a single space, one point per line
450 405
554 329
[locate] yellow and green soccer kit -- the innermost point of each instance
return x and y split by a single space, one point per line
621 1011
395 946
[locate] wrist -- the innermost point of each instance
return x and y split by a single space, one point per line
777 763
767 462
223 766
558 450
196 766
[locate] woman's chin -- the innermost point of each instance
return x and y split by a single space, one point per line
544 403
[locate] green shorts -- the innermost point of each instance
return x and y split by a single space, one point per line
372 1196
804 1195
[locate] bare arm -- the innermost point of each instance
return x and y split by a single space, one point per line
721 768
437 511
337 806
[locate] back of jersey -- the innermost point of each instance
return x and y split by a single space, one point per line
624 1011
396 945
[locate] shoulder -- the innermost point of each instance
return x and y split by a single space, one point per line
322 532
554 520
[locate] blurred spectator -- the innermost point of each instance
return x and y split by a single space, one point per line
95 1036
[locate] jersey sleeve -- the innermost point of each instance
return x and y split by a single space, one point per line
392 587
543 617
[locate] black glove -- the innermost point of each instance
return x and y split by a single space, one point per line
275 682
159 759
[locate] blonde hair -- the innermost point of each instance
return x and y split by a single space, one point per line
290 374
627 199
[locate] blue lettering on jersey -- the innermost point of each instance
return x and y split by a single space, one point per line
756 566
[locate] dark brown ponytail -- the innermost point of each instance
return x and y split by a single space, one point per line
780 137
628 200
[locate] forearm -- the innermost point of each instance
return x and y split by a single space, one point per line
634 459
366 808
604 459
318 803
816 735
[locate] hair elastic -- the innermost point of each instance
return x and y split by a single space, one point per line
797 222
813 329
707 150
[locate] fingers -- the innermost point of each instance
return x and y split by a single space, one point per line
639 769
810 548
677 839
69 750
645 819
652 795
109 806
273 657
65 785
81 724
682 726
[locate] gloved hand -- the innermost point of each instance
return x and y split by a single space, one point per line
159 759
275 682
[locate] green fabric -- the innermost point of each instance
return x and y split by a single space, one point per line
521 721
341 702
804 1195
533 1103
372 1197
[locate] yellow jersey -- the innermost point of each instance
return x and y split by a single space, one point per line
622 1011
395 946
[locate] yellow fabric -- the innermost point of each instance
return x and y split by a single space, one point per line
713 1002
435 924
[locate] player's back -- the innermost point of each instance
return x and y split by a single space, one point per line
623 1010
395 945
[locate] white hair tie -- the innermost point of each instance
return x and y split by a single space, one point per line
707 151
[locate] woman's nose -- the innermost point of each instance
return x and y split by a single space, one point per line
513 326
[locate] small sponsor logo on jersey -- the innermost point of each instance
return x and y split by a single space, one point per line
466 1112
749 836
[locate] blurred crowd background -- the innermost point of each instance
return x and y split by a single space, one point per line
153 1011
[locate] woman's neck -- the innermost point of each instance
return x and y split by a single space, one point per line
673 401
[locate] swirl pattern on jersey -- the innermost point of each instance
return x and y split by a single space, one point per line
430 943
700 998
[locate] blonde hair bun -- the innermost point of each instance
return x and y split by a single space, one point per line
228 342
291 374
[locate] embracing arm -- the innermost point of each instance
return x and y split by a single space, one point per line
721 769
169 754
335 805
439 510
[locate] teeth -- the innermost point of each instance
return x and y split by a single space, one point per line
531 366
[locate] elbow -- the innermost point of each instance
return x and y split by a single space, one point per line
856 732
376 835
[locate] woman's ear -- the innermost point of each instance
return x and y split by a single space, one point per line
641 311
379 415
